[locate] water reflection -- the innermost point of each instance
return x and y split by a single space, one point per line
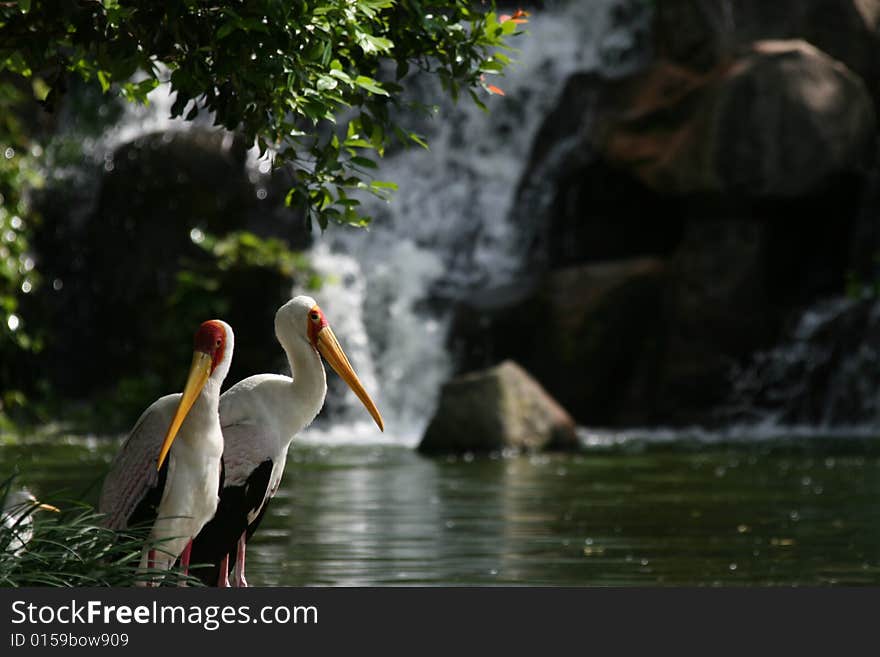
761 513
356 516
732 515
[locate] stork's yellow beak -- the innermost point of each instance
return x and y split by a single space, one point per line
48 507
199 372
329 348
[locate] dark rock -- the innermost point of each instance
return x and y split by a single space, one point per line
494 409
701 34
693 33
572 206
716 312
590 334
620 166
861 260
778 122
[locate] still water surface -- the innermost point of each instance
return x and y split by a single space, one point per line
786 512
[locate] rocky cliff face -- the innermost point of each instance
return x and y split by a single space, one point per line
740 162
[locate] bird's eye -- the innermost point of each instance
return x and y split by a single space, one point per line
314 317
219 342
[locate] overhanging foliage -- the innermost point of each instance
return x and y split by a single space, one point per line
279 71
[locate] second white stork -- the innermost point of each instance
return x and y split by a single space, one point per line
168 470
260 416
16 518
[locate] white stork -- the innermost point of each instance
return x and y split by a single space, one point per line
16 518
260 417
177 494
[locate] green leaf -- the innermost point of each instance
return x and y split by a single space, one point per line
421 142
377 139
479 103
226 29
370 85
325 82
364 162
357 143
104 79
384 184
373 44
492 67
340 75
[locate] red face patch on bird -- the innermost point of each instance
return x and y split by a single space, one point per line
317 321
211 339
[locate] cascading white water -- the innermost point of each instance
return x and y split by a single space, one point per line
446 232
823 374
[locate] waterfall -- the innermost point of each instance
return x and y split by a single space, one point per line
823 374
447 232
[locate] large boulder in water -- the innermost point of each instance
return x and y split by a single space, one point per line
502 407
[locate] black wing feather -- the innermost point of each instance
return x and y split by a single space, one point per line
219 537
147 509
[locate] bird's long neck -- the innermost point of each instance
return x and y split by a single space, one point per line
209 399
204 412
309 387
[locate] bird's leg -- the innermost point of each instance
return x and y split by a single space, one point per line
223 579
151 564
184 560
238 577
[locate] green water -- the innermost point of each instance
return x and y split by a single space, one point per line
766 512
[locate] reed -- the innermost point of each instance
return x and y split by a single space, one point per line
73 548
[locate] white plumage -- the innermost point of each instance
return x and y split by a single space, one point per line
183 497
260 417
17 518
261 414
